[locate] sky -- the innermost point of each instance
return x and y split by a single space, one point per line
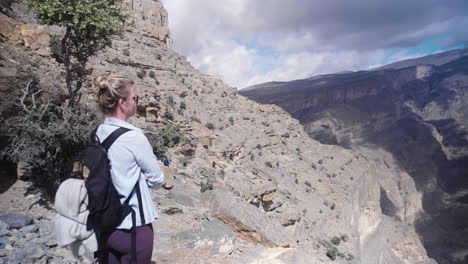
247 42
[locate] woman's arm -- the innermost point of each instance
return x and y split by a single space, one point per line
148 162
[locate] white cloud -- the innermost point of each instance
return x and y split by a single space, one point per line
306 64
249 41
225 59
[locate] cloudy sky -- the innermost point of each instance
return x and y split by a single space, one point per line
246 42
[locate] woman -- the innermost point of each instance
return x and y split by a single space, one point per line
132 160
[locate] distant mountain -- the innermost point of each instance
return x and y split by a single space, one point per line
414 109
434 59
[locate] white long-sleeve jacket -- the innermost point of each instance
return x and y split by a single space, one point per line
132 159
71 205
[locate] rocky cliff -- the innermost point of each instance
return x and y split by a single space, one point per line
275 196
412 111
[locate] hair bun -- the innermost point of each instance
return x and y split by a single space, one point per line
101 83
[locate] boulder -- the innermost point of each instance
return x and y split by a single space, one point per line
16 220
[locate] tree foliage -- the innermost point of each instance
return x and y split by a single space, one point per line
89 27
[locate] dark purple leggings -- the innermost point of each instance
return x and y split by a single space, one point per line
118 246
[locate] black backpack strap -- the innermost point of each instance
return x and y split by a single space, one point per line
133 254
93 136
112 137
142 217
140 202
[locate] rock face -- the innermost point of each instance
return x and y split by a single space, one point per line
418 115
149 18
275 195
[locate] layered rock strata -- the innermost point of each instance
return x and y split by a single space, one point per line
417 114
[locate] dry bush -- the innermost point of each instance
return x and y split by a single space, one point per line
46 137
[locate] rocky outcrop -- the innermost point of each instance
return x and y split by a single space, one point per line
34 37
415 115
148 18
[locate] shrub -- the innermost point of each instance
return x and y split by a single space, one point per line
344 237
231 119
183 106
259 146
152 75
205 186
47 137
335 240
170 101
126 52
195 119
165 138
210 126
269 164
141 74
168 115
332 253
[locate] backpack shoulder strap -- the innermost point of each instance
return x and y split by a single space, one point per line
93 136
137 190
112 137
140 202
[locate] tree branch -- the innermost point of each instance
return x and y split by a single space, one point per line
44 110
79 98
25 93
34 98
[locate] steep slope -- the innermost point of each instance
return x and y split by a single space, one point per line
417 114
275 195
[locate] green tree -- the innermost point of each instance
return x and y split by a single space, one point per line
89 27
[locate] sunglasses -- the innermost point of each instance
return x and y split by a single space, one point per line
135 98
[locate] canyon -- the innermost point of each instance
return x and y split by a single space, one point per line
413 110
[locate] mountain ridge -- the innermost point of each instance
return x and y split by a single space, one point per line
416 114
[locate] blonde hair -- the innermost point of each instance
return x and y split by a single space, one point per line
110 89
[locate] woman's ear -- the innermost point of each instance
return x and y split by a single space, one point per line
121 104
